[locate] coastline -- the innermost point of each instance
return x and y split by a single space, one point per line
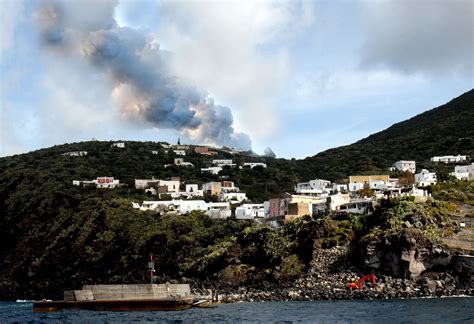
285 294
328 277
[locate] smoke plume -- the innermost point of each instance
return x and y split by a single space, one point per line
143 86
269 153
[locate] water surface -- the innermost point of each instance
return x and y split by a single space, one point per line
444 310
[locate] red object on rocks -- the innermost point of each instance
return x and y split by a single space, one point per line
358 285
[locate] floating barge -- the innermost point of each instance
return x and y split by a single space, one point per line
162 297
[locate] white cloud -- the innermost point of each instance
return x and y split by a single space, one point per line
10 14
236 49
432 37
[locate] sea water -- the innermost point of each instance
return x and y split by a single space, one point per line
433 310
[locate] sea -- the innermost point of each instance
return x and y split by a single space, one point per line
432 310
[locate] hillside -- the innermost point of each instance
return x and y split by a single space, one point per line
55 236
445 130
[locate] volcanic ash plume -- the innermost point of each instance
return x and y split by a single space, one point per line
143 87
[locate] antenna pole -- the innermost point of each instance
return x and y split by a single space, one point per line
151 268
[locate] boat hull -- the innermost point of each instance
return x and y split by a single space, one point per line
165 304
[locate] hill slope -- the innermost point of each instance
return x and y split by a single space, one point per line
445 130
55 236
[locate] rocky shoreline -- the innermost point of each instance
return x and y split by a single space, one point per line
327 279
304 290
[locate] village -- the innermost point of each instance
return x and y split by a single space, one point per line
358 194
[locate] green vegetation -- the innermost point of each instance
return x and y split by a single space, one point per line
56 236
430 220
457 191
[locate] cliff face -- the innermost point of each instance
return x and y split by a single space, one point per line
410 242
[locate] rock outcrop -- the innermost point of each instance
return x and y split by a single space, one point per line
328 277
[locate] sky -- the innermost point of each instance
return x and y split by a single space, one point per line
297 76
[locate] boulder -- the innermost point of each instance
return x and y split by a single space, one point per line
412 267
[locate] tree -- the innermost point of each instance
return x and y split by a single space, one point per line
406 179
366 191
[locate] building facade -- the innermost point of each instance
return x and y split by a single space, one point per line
449 158
461 172
249 211
425 178
254 164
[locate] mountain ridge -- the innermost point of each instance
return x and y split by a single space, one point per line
447 128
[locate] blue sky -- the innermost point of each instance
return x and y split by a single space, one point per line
297 76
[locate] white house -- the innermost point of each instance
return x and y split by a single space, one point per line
213 170
222 163
171 185
357 206
118 144
106 182
403 165
192 188
178 206
249 211
336 200
180 152
99 182
154 152
191 191
461 172
75 153
377 185
254 164
186 206
214 210
449 158
233 196
413 192
180 162
316 186
218 210
425 178
158 205
355 186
